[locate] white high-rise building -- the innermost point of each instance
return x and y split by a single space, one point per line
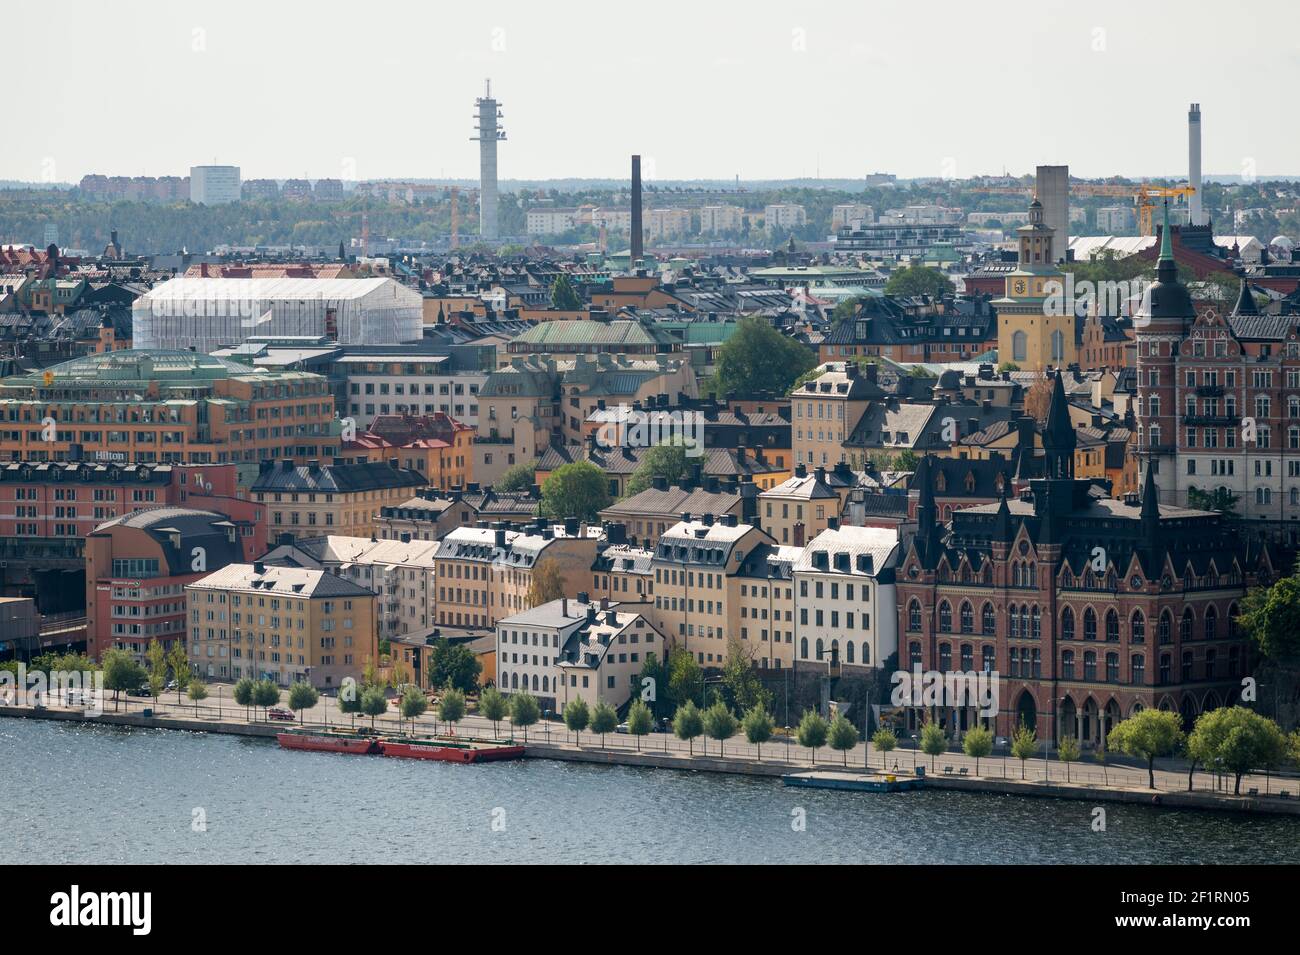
782 216
489 134
214 185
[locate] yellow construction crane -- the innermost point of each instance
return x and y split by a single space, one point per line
1143 196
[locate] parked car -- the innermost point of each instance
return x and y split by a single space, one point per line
621 728
280 713
140 691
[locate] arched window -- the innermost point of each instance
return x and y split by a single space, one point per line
1067 624
1211 622
1067 665
989 621
803 648
1187 666
534 682
1138 666
1210 658
1058 346
1166 627
1185 625
546 684
967 657
1037 628
945 618
967 618
1090 665
1166 664
514 681
1019 346
1139 627
990 658
913 617
848 651
1112 668
820 648
1090 624
1112 625
914 655
1232 622
1015 622
945 657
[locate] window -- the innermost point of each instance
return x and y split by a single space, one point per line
1112 626
1067 624
913 616
1019 346
1139 627
1090 624
1139 668
967 619
988 623
945 618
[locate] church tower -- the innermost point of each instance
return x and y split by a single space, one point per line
1160 325
1036 324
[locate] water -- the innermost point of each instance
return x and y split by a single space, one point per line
100 794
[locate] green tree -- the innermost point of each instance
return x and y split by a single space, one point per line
413 704
1067 751
243 693
688 724
685 678
453 664
157 658
842 736
302 696
524 711
265 694
758 358
846 310
373 703
906 460
639 721
603 720
758 726
578 490
740 683
563 295
576 717
933 741
720 724
812 732
1024 746
493 706
885 742
179 662
197 691
977 744
1270 616
1148 735
1237 740
1220 499
451 707
121 673
666 460
657 689
919 280
518 477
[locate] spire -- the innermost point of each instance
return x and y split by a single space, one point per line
1245 301
1150 496
1059 439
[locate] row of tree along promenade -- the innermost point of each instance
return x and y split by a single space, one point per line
1234 755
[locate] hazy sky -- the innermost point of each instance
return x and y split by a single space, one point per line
768 90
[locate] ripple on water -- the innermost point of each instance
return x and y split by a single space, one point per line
131 795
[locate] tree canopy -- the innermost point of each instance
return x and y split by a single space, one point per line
453 664
1270 616
919 280
758 358
667 460
578 490
518 477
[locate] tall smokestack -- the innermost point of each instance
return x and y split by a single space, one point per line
1052 184
636 210
488 112
1194 215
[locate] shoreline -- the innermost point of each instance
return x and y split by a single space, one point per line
1170 799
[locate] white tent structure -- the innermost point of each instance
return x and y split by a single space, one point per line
210 313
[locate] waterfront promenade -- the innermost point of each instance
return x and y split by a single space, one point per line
1124 781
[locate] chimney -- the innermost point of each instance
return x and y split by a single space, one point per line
570 527
286 464
708 520
833 523
636 210
1194 206
259 568
564 606
584 597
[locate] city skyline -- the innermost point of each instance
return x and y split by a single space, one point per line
808 93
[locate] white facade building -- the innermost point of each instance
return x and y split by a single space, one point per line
214 185
851 215
784 215
716 219
845 600
406 384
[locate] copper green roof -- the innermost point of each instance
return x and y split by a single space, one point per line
613 335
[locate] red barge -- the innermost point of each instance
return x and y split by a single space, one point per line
329 741
449 750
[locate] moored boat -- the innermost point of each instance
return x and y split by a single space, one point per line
449 749
328 741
